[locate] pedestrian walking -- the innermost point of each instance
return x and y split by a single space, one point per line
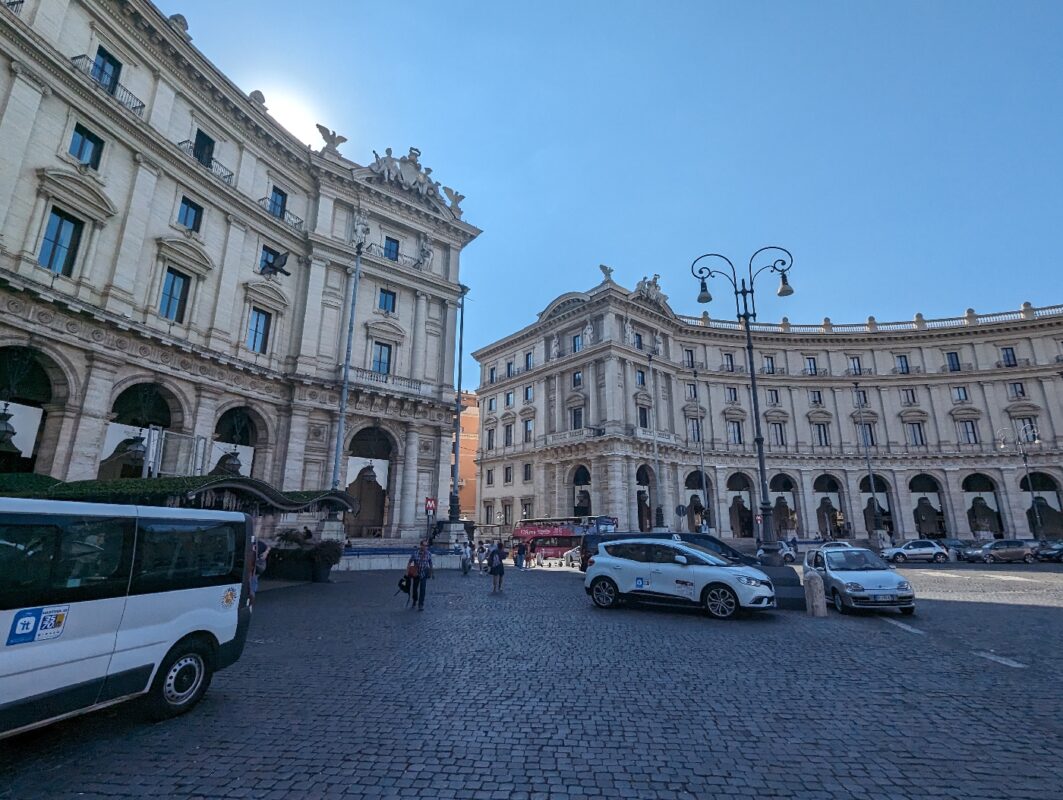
518 559
495 567
261 559
481 558
466 559
419 570
532 553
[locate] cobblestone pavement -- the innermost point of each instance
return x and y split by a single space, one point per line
537 695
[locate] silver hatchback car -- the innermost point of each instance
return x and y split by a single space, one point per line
854 578
1000 550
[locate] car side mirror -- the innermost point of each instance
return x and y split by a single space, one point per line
681 560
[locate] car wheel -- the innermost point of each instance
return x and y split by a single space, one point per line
604 593
908 611
182 679
990 559
940 558
720 601
839 604
788 559
899 558
1028 558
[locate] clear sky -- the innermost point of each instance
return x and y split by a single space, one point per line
907 153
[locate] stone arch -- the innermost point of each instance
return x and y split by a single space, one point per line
785 505
828 498
982 502
880 497
698 486
176 398
372 453
243 431
130 447
33 388
1043 515
740 504
927 510
646 497
580 481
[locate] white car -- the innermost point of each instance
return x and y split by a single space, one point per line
571 558
836 543
856 578
663 571
916 550
785 552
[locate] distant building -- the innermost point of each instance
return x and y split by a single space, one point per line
604 404
468 471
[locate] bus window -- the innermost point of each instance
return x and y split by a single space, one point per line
186 554
62 559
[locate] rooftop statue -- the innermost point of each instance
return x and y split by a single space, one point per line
332 139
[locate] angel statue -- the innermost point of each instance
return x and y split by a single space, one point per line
332 139
606 271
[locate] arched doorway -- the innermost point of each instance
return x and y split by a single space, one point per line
581 492
827 496
135 445
699 504
369 461
1043 512
645 494
236 437
25 391
927 510
740 504
881 498
983 506
782 492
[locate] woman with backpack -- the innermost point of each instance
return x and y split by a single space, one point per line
495 567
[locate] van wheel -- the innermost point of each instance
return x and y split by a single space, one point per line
604 593
182 679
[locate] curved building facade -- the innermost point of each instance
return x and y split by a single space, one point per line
610 403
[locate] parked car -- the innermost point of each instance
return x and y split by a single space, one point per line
916 550
674 573
836 543
571 558
1000 550
855 578
1050 551
787 553
590 542
959 545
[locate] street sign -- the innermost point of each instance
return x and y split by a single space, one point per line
680 510
429 505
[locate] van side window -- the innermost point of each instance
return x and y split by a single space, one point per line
185 554
48 559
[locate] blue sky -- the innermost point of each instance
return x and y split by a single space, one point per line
907 153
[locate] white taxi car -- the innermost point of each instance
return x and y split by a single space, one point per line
663 571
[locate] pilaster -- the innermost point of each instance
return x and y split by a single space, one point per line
16 125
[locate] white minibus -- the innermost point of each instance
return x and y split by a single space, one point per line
104 603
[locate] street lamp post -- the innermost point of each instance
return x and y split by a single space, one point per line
746 311
455 502
701 453
877 518
658 516
1027 434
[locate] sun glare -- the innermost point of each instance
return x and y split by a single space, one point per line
296 112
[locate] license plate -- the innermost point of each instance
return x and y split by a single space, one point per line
887 597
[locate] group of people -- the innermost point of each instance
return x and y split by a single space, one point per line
489 560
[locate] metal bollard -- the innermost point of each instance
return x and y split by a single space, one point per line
815 598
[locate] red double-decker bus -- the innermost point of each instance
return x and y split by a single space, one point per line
555 536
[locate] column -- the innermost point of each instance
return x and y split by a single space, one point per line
419 337
204 420
611 396
16 125
227 299
1013 501
854 513
312 310
809 525
903 521
955 510
615 470
630 466
92 421
408 510
559 403
127 276
625 394
54 448
591 384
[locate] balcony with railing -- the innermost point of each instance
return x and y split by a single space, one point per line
377 250
907 371
959 366
211 164
125 98
819 371
693 364
14 6
731 368
856 371
368 377
1014 363
283 214
772 371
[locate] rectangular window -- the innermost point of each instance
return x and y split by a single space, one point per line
577 342
777 434
638 341
732 394
577 379
915 433
959 394
867 434
489 477
386 301
489 512
507 475
810 365
773 397
769 365
577 418
190 214
694 430
507 513
490 438
902 364
203 149
688 356
527 473
490 404
492 374
1007 355
821 434
529 393
258 330
854 365
509 369
106 69
391 248
908 397
640 377
644 417
60 245
381 358
734 431
525 509
86 147
692 391
952 360
509 399
174 295
728 362
1026 428
278 202
186 554
815 397
528 361
267 260
1016 390
861 397
528 430
968 431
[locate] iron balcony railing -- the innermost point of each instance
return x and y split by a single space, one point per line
966 366
376 249
210 163
1013 363
908 371
817 371
283 214
860 371
122 95
14 6
772 370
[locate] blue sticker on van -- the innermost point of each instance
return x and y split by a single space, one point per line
37 624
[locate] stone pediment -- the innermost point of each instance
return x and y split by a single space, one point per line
914 415
563 304
643 398
490 421
734 413
693 410
266 294
965 412
819 415
527 412
76 192
576 399
406 175
386 329
864 415
186 253
648 292
776 415
1023 408
508 416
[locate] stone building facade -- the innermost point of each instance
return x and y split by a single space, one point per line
467 469
176 271
609 403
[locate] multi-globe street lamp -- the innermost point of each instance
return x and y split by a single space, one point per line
746 311
1026 435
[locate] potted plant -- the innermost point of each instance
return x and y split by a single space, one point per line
323 557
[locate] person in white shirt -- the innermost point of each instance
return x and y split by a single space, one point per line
466 558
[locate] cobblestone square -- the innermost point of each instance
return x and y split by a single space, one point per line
537 695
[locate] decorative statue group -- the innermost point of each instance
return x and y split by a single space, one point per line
651 289
408 173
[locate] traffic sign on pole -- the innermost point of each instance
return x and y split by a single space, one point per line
429 505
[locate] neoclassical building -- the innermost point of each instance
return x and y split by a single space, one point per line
610 403
176 272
